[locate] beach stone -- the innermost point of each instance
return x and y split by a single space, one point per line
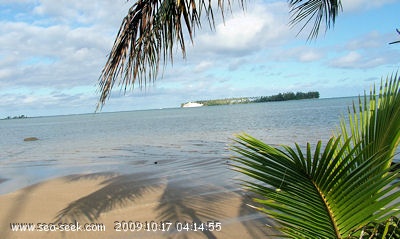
31 139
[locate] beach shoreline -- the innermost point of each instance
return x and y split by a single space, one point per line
118 201
127 166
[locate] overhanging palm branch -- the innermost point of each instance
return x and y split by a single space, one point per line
151 29
147 34
317 11
331 192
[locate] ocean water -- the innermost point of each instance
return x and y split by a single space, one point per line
179 144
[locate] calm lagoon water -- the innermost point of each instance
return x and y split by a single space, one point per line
175 143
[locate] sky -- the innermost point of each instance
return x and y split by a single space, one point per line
52 54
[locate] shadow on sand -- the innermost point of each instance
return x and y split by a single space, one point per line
178 202
116 191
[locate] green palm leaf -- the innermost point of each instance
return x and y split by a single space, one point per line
376 121
316 195
335 191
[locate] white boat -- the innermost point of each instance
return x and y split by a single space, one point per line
191 104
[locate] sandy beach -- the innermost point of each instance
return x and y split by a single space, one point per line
116 206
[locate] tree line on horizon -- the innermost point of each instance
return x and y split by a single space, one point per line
289 96
245 100
16 117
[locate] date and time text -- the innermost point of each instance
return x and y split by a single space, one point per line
166 226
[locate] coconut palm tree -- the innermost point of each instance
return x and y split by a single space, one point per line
151 29
344 189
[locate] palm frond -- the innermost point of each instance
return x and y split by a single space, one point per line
338 191
376 120
314 194
146 36
151 29
317 11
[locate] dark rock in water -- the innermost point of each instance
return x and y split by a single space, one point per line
155 162
3 180
31 139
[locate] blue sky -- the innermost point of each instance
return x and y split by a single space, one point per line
52 53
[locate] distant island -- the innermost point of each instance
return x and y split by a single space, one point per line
16 117
246 100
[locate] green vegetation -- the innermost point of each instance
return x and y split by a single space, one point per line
289 96
227 101
347 188
246 100
16 117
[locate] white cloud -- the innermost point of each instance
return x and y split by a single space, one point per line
356 60
356 5
300 54
73 56
310 56
366 51
349 59
87 12
202 66
370 40
237 33
261 26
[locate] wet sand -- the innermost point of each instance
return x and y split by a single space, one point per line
110 199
